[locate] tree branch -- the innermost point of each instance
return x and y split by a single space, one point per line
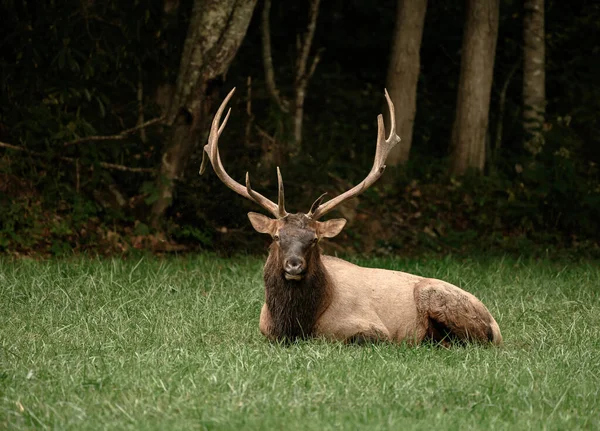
313 66
268 59
502 106
249 115
302 77
265 135
75 161
306 42
119 136
140 100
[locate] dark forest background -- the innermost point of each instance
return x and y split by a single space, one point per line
88 114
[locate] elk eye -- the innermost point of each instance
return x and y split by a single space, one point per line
315 240
276 237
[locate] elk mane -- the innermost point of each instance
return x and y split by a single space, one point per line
295 305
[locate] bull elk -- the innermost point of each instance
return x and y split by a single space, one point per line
311 294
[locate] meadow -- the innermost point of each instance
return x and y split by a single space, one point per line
173 343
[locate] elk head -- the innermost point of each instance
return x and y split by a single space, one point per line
295 236
295 239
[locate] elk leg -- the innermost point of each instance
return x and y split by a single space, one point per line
450 314
265 322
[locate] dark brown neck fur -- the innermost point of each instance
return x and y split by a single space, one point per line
295 306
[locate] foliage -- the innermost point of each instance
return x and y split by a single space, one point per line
551 204
174 344
65 76
68 76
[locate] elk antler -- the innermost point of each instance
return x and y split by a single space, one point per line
383 148
211 152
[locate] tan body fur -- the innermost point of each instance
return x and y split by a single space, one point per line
380 304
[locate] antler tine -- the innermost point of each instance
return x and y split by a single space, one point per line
215 132
315 205
281 197
224 121
211 152
384 147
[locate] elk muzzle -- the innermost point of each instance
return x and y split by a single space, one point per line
294 267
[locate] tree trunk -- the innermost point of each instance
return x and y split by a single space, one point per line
164 91
475 85
403 73
534 77
216 30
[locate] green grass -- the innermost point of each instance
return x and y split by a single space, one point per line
174 344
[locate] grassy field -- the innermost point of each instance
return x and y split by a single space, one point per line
174 344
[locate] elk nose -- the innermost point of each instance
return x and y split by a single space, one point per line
294 265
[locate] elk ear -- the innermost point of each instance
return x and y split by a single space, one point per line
262 223
330 228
